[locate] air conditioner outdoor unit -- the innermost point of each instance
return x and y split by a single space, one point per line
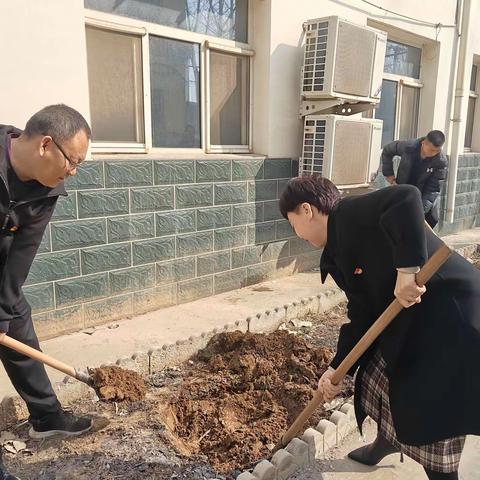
342 60
344 149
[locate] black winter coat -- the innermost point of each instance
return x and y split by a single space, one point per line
22 224
432 349
432 174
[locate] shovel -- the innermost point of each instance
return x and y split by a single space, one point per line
422 277
20 347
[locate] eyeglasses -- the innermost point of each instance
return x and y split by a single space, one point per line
71 165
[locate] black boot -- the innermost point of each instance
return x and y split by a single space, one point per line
373 453
441 476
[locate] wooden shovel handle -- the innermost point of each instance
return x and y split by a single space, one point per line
422 277
37 355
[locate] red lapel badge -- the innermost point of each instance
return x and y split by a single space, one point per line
358 271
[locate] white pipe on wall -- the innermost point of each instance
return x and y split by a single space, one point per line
459 107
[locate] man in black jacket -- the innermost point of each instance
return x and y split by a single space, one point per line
422 164
33 166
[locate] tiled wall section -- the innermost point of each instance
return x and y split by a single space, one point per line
135 236
467 198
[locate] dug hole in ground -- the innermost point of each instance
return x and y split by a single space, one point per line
211 417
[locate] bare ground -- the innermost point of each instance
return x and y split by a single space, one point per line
211 417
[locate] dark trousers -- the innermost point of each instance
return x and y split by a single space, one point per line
28 376
431 219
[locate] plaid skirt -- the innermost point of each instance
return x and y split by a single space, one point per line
442 456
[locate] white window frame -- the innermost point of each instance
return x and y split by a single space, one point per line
209 148
117 23
475 95
401 80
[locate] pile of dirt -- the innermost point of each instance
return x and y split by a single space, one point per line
115 384
223 408
243 392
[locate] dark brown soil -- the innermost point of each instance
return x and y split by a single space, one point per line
243 393
115 384
219 412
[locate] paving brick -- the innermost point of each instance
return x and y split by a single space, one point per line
128 173
230 193
245 256
108 310
131 227
89 175
261 232
247 213
247 169
214 217
261 190
231 280
58 322
175 270
54 266
314 439
178 221
46 244
80 233
194 244
168 172
329 432
283 229
299 450
213 263
189 196
107 257
284 463
66 208
40 297
230 237
278 168
276 250
151 199
155 250
195 289
154 298
131 279
246 476
349 410
102 203
271 211
213 170
265 471
81 289
260 273
341 422
299 246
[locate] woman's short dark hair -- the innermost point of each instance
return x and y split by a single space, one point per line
313 189
60 121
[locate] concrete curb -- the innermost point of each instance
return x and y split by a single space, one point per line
311 446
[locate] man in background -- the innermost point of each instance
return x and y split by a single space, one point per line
422 164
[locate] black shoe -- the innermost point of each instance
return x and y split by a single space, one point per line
4 475
373 453
61 423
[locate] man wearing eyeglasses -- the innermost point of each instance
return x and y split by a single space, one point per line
33 165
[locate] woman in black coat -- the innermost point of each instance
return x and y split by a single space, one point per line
419 381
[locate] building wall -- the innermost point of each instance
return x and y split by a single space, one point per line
467 197
44 58
135 236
